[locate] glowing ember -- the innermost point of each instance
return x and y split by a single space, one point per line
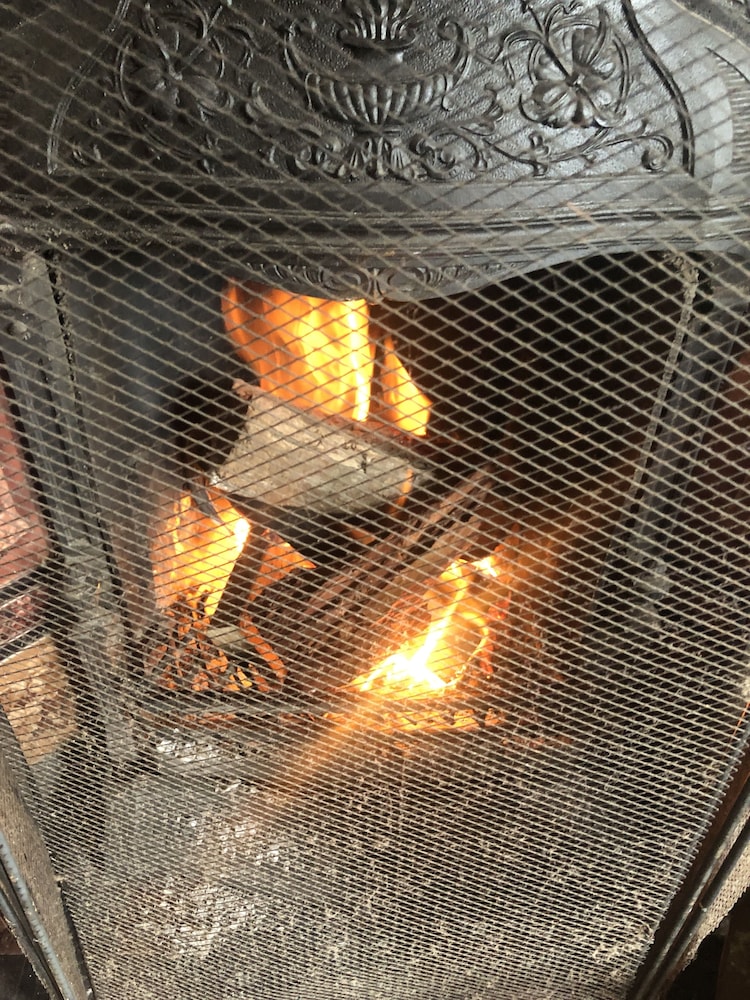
462 603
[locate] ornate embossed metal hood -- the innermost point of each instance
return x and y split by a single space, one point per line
515 129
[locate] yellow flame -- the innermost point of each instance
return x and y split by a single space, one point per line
488 566
193 553
408 671
425 665
319 354
314 353
241 531
460 603
360 359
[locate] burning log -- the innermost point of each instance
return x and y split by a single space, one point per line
321 375
414 615
341 623
440 584
287 457
195 549
420 547
461 605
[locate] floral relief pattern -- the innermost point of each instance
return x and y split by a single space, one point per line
176 72
582 86
173 72
407 97
180 71
574 74
340 280
568 69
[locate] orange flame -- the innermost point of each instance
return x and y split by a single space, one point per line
318 354
193 554
401 403
462 603
190 552
311 352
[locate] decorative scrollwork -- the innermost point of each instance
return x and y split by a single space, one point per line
569 71
339 280
578 69
373 155
575 75
174 78
173 73
373 89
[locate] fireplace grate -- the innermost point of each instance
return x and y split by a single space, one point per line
374 569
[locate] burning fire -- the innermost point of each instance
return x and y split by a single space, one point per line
193 555
192 552
462 604
316 353
320 355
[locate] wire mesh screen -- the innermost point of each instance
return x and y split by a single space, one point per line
375 483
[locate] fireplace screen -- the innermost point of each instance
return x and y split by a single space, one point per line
374 570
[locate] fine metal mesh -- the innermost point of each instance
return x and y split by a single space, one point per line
374 564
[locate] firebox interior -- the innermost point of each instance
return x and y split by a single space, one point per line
534 377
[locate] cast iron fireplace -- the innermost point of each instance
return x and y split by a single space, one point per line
374 575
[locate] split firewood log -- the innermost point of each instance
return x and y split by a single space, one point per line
546 556
286 457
